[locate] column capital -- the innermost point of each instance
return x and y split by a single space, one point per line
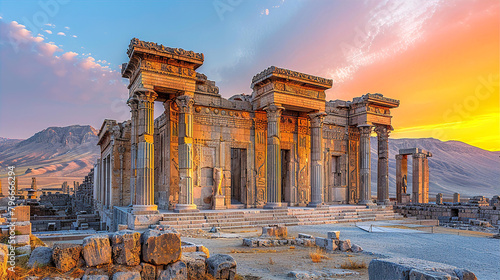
365 130
273 112
144 94
185 103
382 131
317 118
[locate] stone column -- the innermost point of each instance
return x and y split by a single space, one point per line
134 110
420 178
365 168
273 157
316 159
383 165
144 192
401 176
186 200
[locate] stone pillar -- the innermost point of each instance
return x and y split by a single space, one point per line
186 200
134 110
420 186
365 164
144 192
456 198
439 199
273 157
316 159
383 165
401 176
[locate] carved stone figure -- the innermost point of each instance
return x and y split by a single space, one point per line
218 176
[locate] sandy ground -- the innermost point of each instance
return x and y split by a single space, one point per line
471 250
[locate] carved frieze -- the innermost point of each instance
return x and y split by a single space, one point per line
136 43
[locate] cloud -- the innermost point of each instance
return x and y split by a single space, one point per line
51 25
74 36
63 88
67 28
61 34
48 31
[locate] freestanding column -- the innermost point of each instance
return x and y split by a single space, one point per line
383 165
186 201
144 193
420 178
365 169
401 176
316 159
134 110
273 157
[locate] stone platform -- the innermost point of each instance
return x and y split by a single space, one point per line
291 216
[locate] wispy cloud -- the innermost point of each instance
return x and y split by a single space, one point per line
48 31
61 34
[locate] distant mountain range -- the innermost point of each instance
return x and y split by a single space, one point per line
53 155
59 154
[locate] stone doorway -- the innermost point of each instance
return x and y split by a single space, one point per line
238 176
285 176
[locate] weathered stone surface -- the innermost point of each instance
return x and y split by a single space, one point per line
127 275
356 248
321 242
148 271
161 247
334 235
303 235
126 247
304 275
66 255
97 250
275 231
26 249
174 271
402 268
345 245
221 266
41 256
95 277
195 263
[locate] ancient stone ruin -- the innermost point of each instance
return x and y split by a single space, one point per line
420 177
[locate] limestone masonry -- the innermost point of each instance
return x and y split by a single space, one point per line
284 145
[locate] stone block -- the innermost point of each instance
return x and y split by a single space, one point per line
345 245
26 249
356 248
22 239
22 228
66 256
201 248
250 242
126 246
97 250
122 227
95 277
161 247
334 235
303 235
321 242
148 271
221 266
127 275
402 268
174 271
195 263
21 214
41 256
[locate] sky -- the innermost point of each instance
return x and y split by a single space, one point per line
60 59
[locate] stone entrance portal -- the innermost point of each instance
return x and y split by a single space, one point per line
420 178
285 177
238 175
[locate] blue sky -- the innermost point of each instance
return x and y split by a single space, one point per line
63 67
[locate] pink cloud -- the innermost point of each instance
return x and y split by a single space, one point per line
69 55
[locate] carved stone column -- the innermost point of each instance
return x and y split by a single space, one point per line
273 156
144 193
401 176
365 168
134 110
316 159
420 178
186 199
383 165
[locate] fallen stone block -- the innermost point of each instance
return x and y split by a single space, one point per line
128 275
95 277
305 275
66 255
26 249
334 235
356 248
250 242
126 247
221 266
402 268
97 250
195 263
345 245
23 228
161 247
321 242
40 257
308 236
174 271
22 239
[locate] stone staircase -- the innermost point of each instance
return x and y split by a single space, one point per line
236 218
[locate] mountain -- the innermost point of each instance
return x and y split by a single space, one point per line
53 155
454 167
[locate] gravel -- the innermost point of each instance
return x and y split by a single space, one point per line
480 255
